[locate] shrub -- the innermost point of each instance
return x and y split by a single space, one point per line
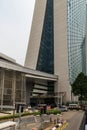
37 113
53 111
17 115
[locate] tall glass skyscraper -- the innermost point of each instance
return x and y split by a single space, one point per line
57 41
76 37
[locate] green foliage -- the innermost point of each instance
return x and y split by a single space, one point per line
17 115
37 113
79 87
8 117
53 111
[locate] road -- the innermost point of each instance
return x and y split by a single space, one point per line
75 121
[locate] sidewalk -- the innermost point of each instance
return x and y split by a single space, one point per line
6 113
34 122
65 116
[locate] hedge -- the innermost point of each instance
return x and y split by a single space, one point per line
52 111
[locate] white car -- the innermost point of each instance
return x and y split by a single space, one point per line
63 108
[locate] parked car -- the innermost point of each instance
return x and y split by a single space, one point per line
74 106
63 108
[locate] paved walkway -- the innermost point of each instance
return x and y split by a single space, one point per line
3 114
74 119
29 122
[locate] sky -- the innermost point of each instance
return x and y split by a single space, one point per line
15 24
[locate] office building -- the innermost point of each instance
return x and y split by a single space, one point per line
56 54
57 42
17 82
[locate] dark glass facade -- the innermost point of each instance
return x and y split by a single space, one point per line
46 53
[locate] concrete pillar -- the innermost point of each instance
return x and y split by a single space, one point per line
86 40
61 100
61 47
56 91
27 95
2 86
23 89
14 87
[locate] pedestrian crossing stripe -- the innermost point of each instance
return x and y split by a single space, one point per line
63 126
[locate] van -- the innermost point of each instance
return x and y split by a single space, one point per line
73 106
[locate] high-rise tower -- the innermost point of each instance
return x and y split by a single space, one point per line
57 41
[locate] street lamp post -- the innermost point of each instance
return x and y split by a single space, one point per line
13 112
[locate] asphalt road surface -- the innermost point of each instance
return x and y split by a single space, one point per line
75 121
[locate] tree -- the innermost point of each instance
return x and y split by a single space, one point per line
79 87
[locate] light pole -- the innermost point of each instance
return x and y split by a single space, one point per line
14 112
19 119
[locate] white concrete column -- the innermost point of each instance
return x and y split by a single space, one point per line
61 100
36 34
2 86
14 87
56 91
23 89
61 47
24 82
86 40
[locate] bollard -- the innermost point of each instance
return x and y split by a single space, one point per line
51 120
57 120
54 121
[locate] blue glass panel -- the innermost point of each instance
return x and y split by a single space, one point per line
76 37
46 53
